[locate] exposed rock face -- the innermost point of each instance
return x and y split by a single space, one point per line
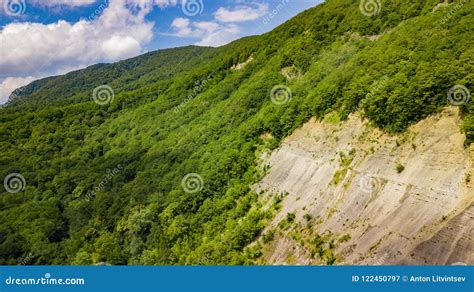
442 4
290 72
402 199
452 244
241 66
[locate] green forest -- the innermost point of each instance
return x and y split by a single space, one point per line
107 183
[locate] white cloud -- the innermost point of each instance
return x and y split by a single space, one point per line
241 13
207 26
8 85
220 36
46 3
166 3
222 30
181 26
36 50
210 33
119 46
72 3
39 50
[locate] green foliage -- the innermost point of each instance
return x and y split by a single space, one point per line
345 238
290 217
400 168
267 237
182 111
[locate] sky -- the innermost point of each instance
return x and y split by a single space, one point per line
40 38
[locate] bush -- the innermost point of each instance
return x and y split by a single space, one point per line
400 168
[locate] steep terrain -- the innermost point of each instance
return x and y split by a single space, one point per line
345 179
160 170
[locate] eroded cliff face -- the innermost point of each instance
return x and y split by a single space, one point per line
372 198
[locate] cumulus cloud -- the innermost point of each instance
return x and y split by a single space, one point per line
8 85
223 29
241 13
39 50
45 3
72 3
118 31
182 26
166 3
210 33
220 36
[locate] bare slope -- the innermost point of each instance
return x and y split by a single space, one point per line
401 199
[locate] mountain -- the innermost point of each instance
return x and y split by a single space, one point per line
158 159
135 73
356 195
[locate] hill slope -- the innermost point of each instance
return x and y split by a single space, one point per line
343 184
110 183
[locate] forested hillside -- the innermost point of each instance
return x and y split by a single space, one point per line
160 171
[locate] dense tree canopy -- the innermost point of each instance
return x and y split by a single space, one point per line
104 183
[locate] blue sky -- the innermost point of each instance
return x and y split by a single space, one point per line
41 38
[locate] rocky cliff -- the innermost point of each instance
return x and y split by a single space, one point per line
372 198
